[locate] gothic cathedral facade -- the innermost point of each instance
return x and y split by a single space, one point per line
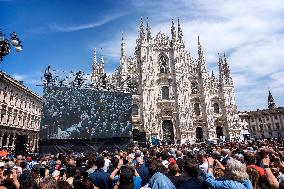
177 99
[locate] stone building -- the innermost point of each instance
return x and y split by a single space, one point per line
177 98
265 123
20 113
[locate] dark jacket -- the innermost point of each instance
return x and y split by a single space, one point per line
192 183
180 163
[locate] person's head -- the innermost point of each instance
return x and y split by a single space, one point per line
100 162
105 154
48 183
56 174
225 152
121 154
145 152
173 169
202 156
164 155
64 184
70 171
265 153
87 184
9 183
235 170
115 161
23 164
139 160
216 155
250 158
156 166
191 169
126 177
28 183
178 153
70 161
35 170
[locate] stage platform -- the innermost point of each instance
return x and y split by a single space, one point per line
68 146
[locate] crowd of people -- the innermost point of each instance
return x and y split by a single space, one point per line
232 165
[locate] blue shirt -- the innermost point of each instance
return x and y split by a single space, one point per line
143 172
100 178
226 184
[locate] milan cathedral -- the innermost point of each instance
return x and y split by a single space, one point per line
177 99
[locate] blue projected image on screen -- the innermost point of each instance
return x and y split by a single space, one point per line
70 113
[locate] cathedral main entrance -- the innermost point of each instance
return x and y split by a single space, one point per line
199 134
168 132
219 131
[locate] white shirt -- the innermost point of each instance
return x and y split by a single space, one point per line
107 162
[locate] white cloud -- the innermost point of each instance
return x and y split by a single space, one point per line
77 27
28 79
18 77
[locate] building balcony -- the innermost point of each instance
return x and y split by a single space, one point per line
166 102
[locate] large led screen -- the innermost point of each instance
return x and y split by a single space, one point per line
70 113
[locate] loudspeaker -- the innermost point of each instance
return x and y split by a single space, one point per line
142 136
20 145
135 135
142 139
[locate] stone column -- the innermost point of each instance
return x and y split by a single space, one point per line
13 139
8 140
34 143
1 139
28 142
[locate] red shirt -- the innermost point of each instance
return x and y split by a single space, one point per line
259 169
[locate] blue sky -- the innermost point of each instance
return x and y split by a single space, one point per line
64 33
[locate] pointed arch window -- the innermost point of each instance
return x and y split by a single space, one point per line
216 108
197 109
165 92
163 64
134 109
194 88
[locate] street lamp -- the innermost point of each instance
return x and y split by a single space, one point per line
5 46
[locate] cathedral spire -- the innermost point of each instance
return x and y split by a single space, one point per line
212 75
122 50
201 59
95 62
148 30
226 68
141 31
102 63
173 31
220 61
200 50
271 103
180 35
